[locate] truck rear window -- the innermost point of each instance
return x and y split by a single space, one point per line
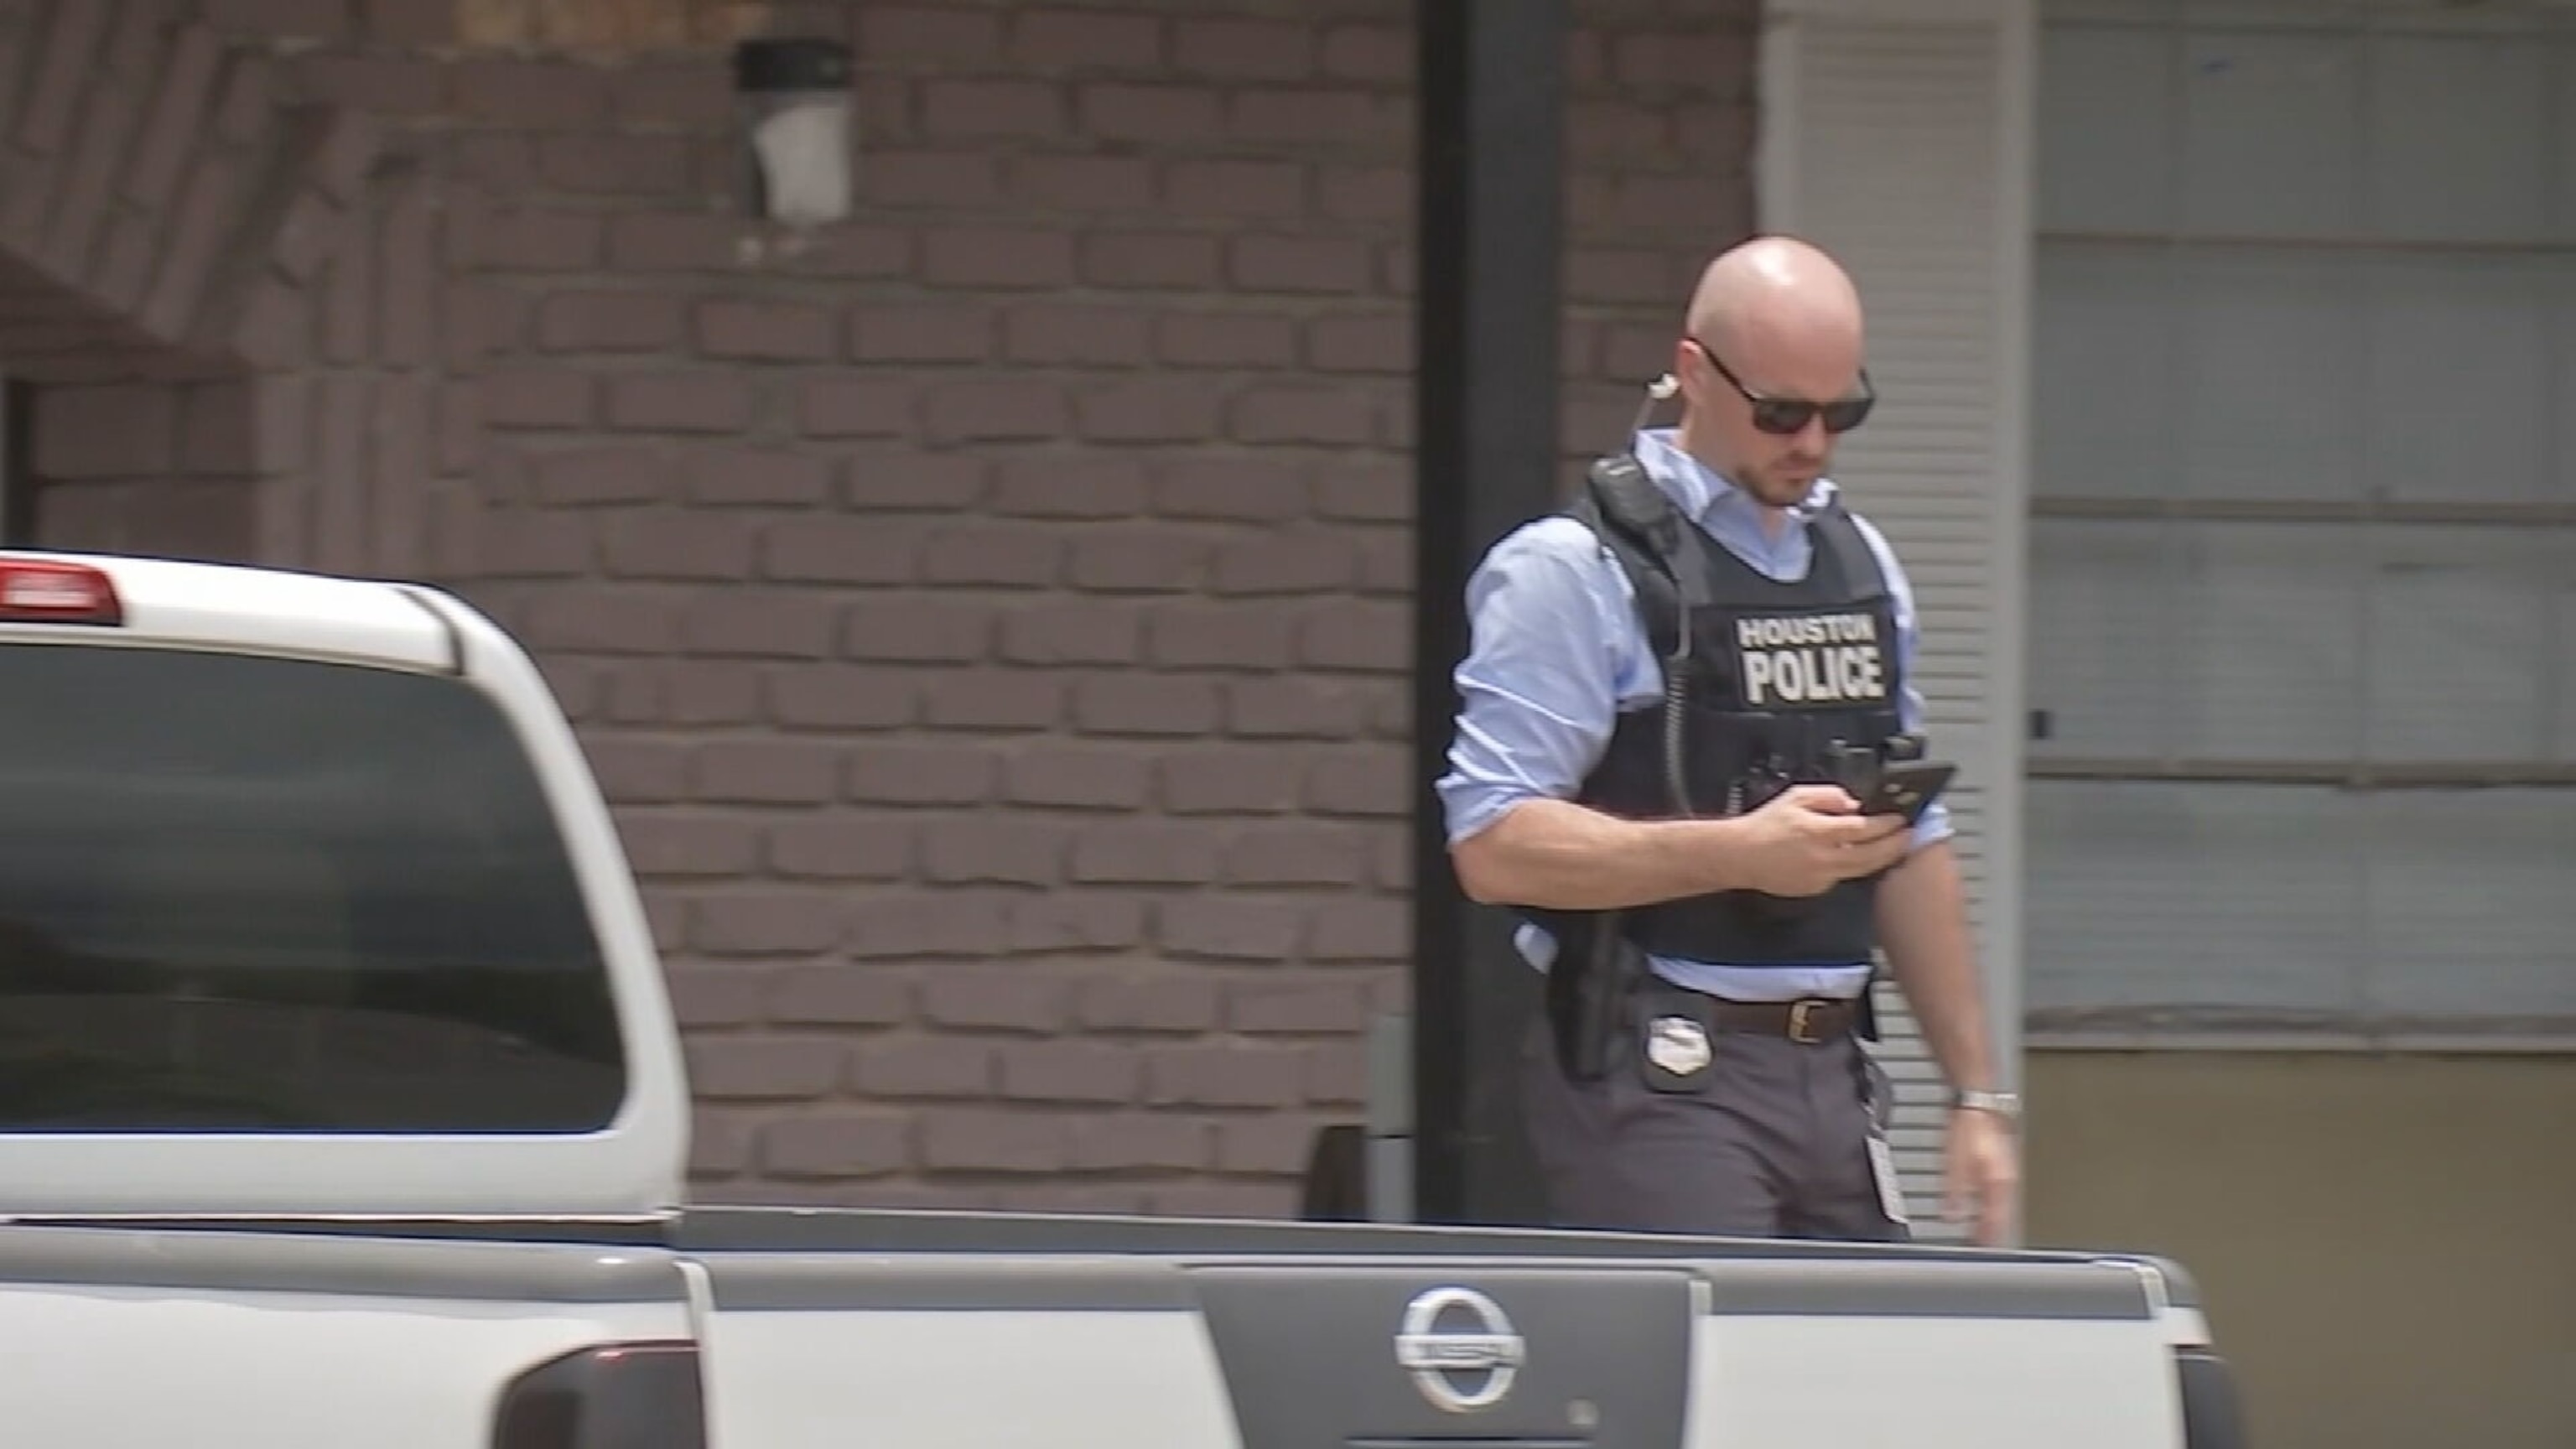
254 894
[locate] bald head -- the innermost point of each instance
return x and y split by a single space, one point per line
1775 292
1773 318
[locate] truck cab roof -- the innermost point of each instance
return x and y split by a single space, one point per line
192 604
310 904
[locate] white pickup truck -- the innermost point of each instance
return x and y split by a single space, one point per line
341 1104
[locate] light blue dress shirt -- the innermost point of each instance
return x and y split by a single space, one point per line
1556 652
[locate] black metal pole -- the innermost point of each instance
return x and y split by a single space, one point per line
1488 231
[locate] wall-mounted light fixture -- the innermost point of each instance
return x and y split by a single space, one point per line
794 98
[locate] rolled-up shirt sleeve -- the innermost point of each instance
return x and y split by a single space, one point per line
1540 685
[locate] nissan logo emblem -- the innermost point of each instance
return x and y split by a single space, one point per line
1459 1348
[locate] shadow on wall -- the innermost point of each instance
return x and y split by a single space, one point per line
2387 1244
115 440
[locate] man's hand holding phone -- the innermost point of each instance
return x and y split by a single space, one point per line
1810 838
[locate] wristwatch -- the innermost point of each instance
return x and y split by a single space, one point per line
2006 1105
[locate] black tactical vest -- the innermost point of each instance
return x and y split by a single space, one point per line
1766 684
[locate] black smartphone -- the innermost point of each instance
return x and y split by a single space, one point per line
1906 788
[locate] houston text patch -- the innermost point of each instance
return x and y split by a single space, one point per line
1811 661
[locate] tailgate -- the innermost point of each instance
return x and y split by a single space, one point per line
1995 1354
805 1351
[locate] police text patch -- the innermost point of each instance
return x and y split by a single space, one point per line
1811 661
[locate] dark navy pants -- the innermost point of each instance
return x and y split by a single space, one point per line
1770 1138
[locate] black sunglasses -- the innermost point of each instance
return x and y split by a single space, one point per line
1785 416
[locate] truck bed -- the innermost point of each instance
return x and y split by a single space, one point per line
995 1329
760 1228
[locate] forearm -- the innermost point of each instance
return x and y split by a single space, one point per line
1923 923
1556 855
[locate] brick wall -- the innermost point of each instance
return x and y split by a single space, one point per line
989 618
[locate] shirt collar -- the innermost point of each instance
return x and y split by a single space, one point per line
1700 491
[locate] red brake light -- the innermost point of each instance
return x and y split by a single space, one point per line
58 593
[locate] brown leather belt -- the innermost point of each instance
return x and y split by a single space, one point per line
1808 1020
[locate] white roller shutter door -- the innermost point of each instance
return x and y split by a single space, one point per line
1895 135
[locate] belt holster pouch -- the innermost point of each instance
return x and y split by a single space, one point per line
1586 986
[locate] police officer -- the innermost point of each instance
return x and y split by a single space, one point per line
1675 694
